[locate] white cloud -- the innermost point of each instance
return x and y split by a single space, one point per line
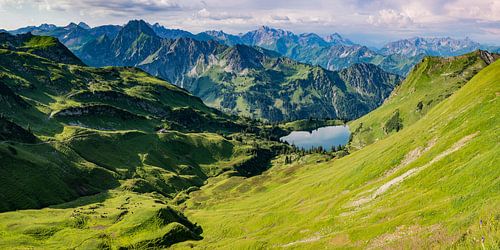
280 18
477 9
16 4
110 7
390 18
380 18
204 13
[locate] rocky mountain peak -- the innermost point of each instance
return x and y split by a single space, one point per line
240 57
71 25
439 46
84 25
136 27
274 32
46 26
336 38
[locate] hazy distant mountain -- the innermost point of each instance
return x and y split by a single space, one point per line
163 32
108 30
337 39
336 52
332 52
34 29
430 46
73 35
250 81
84 25
219 36
274 39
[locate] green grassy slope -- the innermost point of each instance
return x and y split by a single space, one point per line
44 46
116 218
430 82
249 83
92 129
103 150
427 186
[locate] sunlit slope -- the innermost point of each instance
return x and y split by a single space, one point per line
430 82
97 158
68 130
108 220
433 184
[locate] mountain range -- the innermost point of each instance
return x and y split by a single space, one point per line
116 158
70 131
76 108
250 74
244 80
332 52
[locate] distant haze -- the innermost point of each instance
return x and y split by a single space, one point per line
368 22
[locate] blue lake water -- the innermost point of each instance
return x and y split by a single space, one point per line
325 137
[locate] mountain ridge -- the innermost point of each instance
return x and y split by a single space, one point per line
222 75
304 47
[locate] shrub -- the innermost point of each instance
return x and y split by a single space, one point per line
394 123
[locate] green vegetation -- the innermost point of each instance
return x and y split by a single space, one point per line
110 219
248 81
394 123
427 85
277 89
432 184
309 124
106 149
113 158
44 46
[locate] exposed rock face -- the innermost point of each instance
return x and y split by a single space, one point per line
337 39
333 52
245 80
488 57
249 81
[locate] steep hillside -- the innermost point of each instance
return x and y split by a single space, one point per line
247 82
107 148
43 46
431 82
163 32
243 80
433 184
332 52
106 125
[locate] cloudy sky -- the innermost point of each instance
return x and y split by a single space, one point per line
371 22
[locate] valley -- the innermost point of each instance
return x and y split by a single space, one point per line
139 136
